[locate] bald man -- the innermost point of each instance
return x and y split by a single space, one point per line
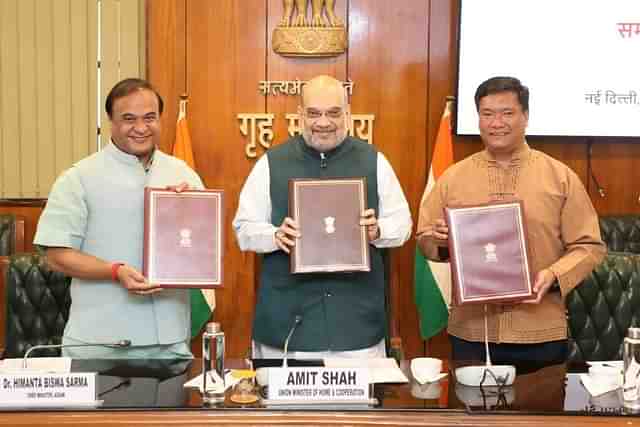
343 313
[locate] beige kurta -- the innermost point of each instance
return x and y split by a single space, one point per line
562 228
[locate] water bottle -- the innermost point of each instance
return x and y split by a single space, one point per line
631 369
213 364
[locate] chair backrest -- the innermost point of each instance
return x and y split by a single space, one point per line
11 234
11 241
38 302
603 307
621 233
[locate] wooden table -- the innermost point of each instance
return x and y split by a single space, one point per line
157 418
536 399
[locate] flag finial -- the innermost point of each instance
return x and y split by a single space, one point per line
182 113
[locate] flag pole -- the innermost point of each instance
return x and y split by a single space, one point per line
202 300
182 106
432 281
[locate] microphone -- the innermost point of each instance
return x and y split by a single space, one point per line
323 161
296 321
489 374
116 344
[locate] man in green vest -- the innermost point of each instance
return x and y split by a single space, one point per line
337 314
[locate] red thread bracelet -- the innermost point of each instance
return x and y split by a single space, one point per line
114 270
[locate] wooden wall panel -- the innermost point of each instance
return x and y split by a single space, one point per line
62 88
283 68
92 81
9 74
226 51
27 104
442 66
44 87
31 211
616 166
83 71
388 57
109 69
129 25
402 59
44 117
166 60
120 35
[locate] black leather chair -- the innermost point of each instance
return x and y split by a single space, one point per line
603 307
621 233
11 234
38 303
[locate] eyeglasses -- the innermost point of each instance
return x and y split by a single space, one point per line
333 114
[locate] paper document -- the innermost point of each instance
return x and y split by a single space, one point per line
216 385
381 370
607 363
578 398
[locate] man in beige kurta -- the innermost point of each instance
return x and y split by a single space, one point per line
561 224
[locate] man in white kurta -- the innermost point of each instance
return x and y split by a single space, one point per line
344 313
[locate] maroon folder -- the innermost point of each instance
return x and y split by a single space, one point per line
183 238
328 214
489 253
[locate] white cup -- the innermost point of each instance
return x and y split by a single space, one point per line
426 369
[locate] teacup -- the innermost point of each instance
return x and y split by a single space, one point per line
426 369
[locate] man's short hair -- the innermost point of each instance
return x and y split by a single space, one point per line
126 87
503 84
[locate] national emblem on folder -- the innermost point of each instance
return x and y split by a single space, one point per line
489 252
328 214
183 238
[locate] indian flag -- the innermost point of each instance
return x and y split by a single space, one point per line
203 301
433 279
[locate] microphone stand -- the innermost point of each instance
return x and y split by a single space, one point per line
297 320
125 382
486 339
489 374
118 344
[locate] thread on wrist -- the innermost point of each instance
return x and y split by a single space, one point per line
114 271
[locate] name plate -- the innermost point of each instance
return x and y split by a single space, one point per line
45 390
319 384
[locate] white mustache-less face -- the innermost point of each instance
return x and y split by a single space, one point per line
502 122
